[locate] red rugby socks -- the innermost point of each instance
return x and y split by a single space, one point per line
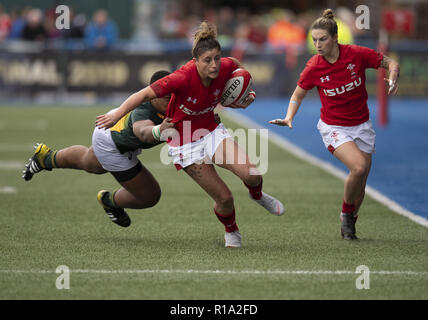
348 208
256 192
228 221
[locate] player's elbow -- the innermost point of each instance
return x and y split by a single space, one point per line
148 199
144 135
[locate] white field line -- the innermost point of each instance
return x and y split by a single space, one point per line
14 147
11 165
26 124
302 154
8 189
224 272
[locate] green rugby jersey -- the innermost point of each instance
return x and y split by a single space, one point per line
122 133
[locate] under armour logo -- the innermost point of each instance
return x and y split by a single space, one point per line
325 79
217 92
189 99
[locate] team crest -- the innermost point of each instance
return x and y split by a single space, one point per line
335 135
351 67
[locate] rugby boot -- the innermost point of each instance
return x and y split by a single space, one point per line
347 226
232 239
37 161
271 204
117 215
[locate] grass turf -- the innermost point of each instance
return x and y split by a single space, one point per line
55 220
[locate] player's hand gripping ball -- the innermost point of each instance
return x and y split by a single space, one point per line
237 87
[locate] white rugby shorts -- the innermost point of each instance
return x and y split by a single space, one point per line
363 135
204 148
108 154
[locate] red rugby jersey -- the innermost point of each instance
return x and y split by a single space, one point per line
341 85
191 101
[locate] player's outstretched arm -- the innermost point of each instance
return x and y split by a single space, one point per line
108 120
393 68
294 104
147 132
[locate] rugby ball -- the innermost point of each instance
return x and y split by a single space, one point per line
237 87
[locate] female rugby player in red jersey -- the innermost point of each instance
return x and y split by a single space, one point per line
339 73
196 89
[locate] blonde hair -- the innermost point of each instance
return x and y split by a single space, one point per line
326 22
205 39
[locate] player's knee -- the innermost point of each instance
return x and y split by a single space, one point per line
359 170
225 200
153 198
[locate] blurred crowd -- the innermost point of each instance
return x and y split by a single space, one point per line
242 30
238 29
32 24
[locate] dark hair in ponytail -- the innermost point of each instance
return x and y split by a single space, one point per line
205 39
326 22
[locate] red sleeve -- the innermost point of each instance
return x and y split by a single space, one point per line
306 80
228 65
232 63
169 83
371 58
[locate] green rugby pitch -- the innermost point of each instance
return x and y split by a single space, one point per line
175 250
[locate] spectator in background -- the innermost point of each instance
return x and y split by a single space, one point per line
101 33
348 17
227 24
210 15
286 34
52 32
5 24
241 43
191 24
18 23
34 29
258 31
77 26
73 37
173 24
250 34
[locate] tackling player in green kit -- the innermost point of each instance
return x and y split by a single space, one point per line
115 150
